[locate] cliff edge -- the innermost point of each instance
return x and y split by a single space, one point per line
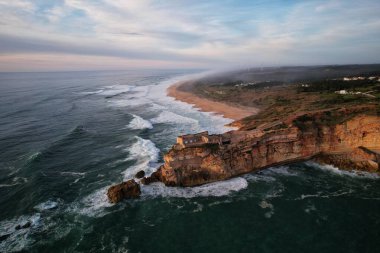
347 138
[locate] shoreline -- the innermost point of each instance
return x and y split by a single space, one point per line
207 105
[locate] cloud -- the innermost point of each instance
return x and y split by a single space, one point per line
209 34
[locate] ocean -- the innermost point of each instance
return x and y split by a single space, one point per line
66 137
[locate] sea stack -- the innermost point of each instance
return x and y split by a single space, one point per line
125 190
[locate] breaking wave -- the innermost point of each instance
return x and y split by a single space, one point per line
93 205
15 240
216 189
91 92
281 170
50 204
170 117
146 155
337 171
139 123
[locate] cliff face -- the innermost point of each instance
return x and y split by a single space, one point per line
305 137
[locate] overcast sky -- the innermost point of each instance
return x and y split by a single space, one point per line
51 35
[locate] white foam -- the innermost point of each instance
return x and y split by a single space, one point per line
281 170
46 205
146 155
326 194
117 89
73 173
255 177
91 92
266 205
139 123
132 102
8 185
18 239
171 117
93 205
216 189
15 181
337 171
143 148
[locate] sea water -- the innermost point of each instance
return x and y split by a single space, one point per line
66 137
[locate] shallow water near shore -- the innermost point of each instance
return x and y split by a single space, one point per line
66 137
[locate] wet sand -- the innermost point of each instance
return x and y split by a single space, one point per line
234 112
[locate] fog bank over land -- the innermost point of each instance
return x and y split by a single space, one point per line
289 74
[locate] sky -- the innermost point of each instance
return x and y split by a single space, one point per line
63 35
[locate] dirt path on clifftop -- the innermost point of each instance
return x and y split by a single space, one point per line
226 110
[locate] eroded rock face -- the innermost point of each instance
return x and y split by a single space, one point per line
126 190
302 139
153 178
361 159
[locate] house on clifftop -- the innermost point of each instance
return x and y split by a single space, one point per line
199 139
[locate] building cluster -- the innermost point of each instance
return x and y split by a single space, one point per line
199 139
345 92
356 78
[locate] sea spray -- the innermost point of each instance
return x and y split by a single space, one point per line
139 123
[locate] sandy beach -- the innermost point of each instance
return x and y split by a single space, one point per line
226 110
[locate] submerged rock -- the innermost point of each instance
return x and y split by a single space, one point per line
4 237
140 174
26 225
126 190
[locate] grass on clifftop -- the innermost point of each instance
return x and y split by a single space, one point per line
278 101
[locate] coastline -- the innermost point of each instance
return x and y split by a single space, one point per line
207 105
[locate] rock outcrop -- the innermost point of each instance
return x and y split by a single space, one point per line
126 190
140 174
345 138
361 159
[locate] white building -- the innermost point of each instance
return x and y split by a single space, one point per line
342 92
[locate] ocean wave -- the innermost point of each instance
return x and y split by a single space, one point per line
47 205
255 177
337 171
117 90
72 173
15 181
170 117
131 102
143 148
33 157
15 240
146 153
264 204
216 189
139 123
91 92
321 194
280 170
93 205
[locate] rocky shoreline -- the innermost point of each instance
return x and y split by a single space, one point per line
346 138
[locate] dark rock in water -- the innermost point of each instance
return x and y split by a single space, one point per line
26 225
140 174
4 237
153 178
126 190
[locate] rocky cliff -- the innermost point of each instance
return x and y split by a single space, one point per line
346 138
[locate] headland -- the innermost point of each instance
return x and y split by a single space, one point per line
332 120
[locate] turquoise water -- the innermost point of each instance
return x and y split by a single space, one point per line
66 137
